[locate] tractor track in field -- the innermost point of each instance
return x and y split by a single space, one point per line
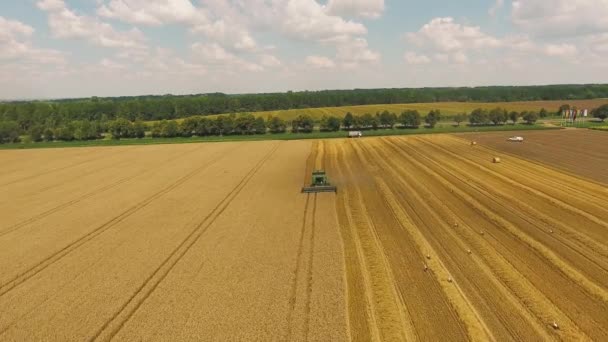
303 267
4 172
514 239
47 172
310 268
66 250
296 273
130 307
95 171
87 195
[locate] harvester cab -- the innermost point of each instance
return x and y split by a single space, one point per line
319 183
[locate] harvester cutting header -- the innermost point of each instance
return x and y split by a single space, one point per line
319 183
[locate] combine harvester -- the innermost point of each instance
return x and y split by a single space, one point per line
319 183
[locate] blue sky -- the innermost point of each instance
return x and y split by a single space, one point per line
80 48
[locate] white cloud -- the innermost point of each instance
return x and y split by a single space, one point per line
356 8
307 20
151 12
269 61
560 50
66 24
560 18
414 58
445 35
320 62
15 44
355 53
223 61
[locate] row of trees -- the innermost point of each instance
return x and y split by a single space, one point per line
151 108
246 124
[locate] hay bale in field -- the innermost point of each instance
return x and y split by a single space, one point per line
496 160
473 143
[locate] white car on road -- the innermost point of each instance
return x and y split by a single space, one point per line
516 139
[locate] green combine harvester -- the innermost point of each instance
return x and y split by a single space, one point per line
319 183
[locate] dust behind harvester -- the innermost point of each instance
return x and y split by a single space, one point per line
319 183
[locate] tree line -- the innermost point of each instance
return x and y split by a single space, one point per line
248 124
169 107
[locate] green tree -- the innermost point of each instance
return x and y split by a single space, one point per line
514 116
530 117
244 124
189 126
64 132
48 134
368 121
302 124
498 116
170 129
458 118
35 132
432 118
225 124
543 113
348 120
259 125
388 120
276 125
601 112
139 129
479 117
9 132
119 128
410 119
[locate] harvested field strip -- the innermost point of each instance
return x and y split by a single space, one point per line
547 223
533 202
510 242
113 326
359 311
455 298
10 284
588 193
556 261
512 323
578 151
381 230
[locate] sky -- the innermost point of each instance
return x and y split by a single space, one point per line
82 48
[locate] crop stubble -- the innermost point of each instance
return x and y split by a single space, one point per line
508 248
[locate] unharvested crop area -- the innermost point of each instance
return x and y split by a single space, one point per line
183 242
426 239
